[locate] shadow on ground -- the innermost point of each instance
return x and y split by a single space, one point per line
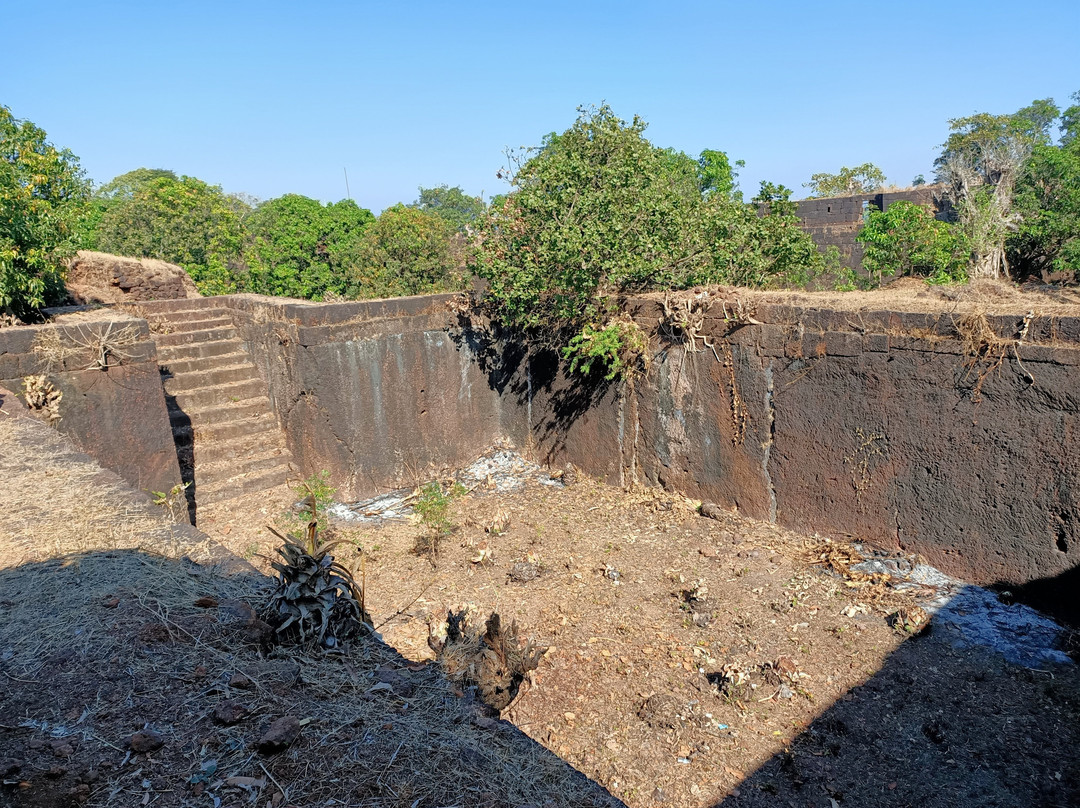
97 647
938 725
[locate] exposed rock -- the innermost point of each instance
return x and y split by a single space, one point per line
281 734
229 712
144 741
96 277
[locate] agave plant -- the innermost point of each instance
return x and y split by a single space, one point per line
317 600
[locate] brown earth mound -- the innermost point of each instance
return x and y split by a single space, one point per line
96 277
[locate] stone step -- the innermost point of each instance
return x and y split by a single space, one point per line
219 413
187 337
183 367
168 354
255 462
179 304
208 453
205 433
215 377
165 319
182 324
239 485
218 395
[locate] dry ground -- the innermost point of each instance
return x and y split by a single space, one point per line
781 683
833 707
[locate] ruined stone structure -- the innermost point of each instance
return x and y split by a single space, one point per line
835 221
96 277
942 434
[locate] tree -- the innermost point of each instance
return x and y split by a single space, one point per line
184 221
599 211
407 251
453 205
906 239
1047 199
863 179
981 162
717 174
299 248
594 211
43 193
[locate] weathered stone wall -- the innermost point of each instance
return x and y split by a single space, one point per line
880 426
96 277
835 221
901 429
378 393
116 415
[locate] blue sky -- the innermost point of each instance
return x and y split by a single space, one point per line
270 98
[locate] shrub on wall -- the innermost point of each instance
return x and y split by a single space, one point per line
906 239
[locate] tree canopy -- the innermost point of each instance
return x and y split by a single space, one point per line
453 205
182 220
297 247
43 196
598 211
863 179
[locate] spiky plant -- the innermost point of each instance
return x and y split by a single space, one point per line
317 600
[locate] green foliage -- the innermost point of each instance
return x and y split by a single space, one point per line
617 347
982 161
184 221
452 205
717 175
598 211
432 505
906 239
298 247
863 179
1047 198
315 489
43 196
407 251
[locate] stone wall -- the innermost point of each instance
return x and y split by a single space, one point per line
878 425
835 221
115 413
379 393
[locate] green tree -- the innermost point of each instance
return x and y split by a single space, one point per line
1047 199
299 248
863 179
906 239
981 162
407 251
43 196
596 210
453 205
718 175
184 221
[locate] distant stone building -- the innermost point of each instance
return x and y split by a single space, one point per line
835 221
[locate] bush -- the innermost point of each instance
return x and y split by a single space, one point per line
599 211
43 196
906 239
407 251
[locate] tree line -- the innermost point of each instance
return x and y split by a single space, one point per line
592 213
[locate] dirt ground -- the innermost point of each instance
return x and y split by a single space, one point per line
696 661
692 662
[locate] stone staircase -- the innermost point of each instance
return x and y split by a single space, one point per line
227 437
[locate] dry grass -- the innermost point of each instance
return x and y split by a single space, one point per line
87 347
106 626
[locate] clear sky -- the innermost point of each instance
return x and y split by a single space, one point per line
269 98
